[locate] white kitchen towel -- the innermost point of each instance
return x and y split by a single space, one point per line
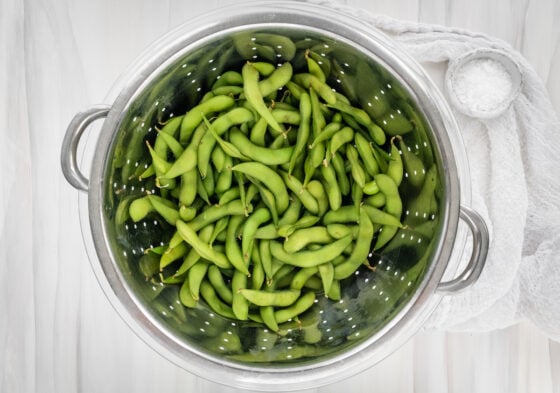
514 162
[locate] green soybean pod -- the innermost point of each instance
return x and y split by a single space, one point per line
266 258
229 196
209 295
318 121
302 193
395 168
172 254
371 188
393 202
195 276
307 81
358 173
193 118
208 181
304 303
259 217
303 131
239 304
170 128
341 138
228 147
140 208
264 68
220 125
286 116
340 170
313 160
338 231
331 186
189 261
267 315
362 118
346 214
386 233
170 142
258 132
254 96
291 214
310 258
376 200
276 80
214 213
161 166
252 192
316 189
280 298
267 232
216 278
304 222
269 178
258 153
302 276
185 295
224 181
175 240
232 249
220 226
202 248
231 91
218 159
360 251
166 209
378 216
314 68
327 133
364 150
268 199
335 292
188 187
258 275
302 237
295 90
228 78
326 272
188 159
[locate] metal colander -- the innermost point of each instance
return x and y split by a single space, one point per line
381 304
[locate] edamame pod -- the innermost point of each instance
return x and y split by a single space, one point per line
254 96
269 178
310 258
193 118
281 298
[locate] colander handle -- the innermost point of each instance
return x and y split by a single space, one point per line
69 151
480 239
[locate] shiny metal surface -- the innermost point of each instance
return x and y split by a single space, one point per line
69 151
480 239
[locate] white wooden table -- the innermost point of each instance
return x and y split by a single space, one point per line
58 332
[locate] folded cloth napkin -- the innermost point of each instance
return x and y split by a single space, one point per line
514 163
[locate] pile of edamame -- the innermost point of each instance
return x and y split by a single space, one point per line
278 186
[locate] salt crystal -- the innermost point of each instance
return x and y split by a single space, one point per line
482 84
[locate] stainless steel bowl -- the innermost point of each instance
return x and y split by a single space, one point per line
380 309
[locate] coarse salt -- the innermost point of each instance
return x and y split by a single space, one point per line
482 84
